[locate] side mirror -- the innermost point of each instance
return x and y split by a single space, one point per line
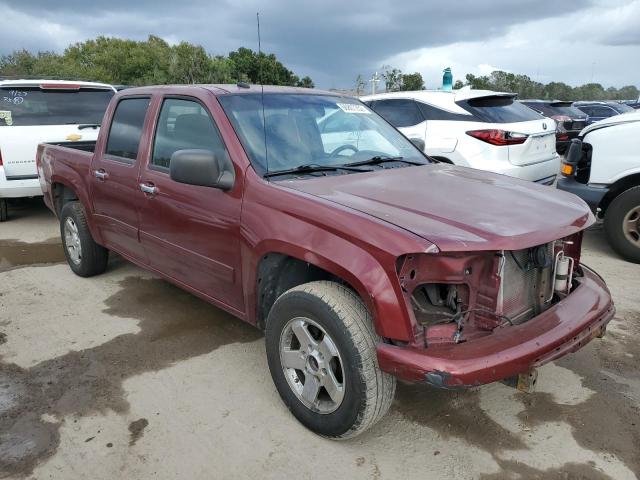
574 154
418 142
201 167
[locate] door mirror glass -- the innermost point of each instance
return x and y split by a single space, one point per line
201 167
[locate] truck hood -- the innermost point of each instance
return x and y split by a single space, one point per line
609 122
456 208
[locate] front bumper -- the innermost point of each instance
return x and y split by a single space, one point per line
589 193
29 187
566 327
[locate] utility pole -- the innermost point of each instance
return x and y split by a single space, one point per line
374 82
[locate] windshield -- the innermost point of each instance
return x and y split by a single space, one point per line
320 130
622 107
23 106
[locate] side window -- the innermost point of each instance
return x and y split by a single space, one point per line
586 110
603 112
429 112
126 128
399 112
184 125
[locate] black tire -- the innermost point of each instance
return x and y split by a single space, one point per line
4 214
368 391
94 257
614 218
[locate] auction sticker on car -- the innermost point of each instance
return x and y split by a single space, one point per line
6 116
353 108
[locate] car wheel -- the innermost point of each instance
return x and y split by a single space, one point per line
321 349
85 257
622 224
4 214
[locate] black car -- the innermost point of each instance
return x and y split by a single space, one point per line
601 110
569 120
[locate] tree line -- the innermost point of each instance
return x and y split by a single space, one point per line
150 62
395 80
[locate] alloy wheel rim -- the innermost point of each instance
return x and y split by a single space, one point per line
631 226
312 365
72 241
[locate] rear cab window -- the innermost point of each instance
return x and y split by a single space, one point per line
184 125
30 105
125 131
499 109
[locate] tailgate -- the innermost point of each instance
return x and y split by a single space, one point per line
540 145
19 145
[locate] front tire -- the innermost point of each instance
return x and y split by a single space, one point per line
85 257
321 349
622 224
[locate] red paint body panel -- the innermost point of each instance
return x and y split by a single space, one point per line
565 327
356 227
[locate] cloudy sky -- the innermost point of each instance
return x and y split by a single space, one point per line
575 41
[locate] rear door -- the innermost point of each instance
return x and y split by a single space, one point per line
114 178
188 231
33 114
503 112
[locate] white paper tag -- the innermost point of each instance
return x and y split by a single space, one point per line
6 116
353 108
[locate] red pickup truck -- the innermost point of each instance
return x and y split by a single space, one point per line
307 215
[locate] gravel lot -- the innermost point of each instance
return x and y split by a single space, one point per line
126 376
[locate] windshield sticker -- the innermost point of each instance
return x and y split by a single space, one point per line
6 116
353 108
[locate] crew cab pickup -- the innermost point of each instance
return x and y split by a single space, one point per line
363 261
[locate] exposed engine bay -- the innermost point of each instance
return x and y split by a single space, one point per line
461 296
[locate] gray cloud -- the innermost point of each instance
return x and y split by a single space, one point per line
332 41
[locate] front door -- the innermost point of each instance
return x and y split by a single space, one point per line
190 233
114 179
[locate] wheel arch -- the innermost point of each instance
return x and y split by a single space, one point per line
618 187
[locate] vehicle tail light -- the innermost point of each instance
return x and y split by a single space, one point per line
59 86
560 122
498 137
563 136
0 158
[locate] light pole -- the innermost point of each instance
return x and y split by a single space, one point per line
374 82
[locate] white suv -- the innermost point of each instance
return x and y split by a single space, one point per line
475 128
36 111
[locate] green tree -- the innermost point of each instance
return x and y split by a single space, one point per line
458 85
360 85
412 81
392 78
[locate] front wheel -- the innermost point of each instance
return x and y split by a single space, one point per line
321 349
85 257
622 224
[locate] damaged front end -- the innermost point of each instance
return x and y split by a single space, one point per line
478 315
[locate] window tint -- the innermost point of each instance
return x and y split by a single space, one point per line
587 110
622 108
126 128
184 125
399 112
429 112
499 109
602 112
34 106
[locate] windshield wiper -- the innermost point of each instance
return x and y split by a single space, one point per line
311 168
378 159
88 125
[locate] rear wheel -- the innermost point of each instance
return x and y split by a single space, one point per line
85 257
4 214
321 348
622 224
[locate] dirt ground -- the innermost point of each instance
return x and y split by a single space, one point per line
125 376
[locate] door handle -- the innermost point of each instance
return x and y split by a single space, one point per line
100 174
149 188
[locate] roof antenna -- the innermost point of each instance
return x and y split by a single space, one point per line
264 118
